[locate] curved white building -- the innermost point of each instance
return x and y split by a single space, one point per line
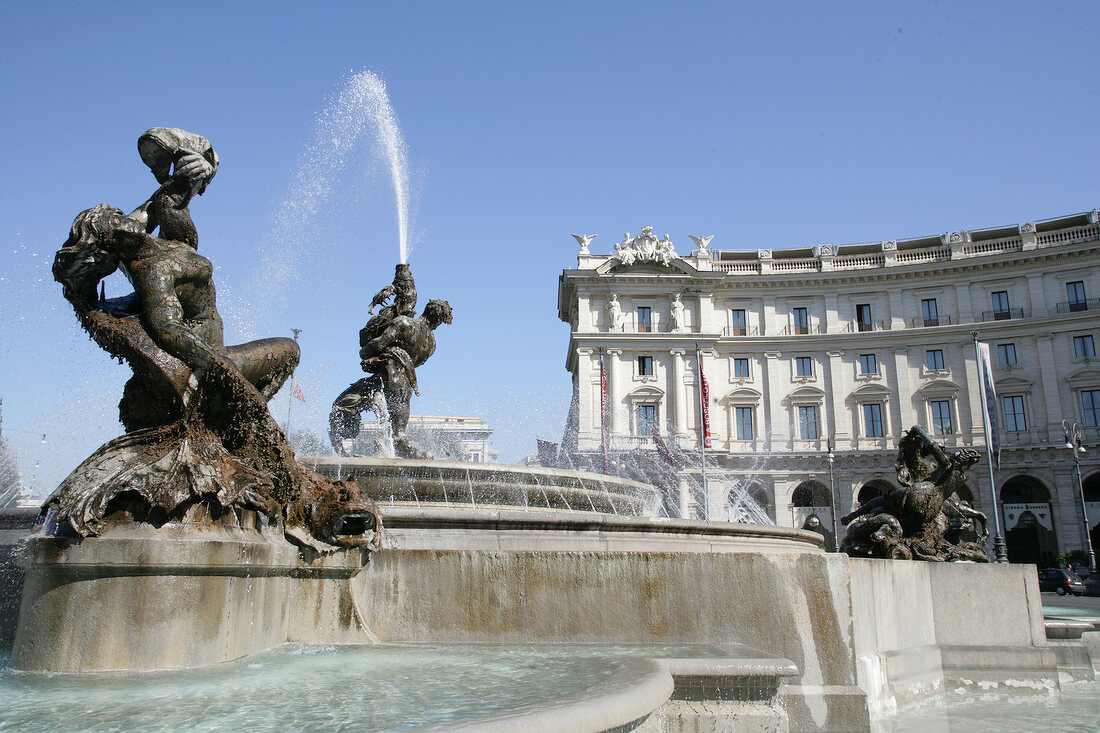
838 350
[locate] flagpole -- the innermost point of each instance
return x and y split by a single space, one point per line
702 436
1000 553
290 400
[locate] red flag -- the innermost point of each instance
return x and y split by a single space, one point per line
662 446
298 393
704 404
603 415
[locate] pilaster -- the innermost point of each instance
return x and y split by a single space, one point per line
838 414
614 391
677 394
775 400
904 391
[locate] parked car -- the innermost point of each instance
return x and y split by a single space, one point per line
1061 582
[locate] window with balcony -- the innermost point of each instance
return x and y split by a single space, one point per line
803 366
739 324
646 419
743 418
941 417
1090 407
933 359
645 319
872 420
930 312
868 364
1006 354
1076 294
801 318
1001 311
807 422
645 366
1015 419
863 316
1084 347
741 368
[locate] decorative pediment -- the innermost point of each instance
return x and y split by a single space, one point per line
806 393
647 392
940 387
1012 384
1082 377
742 396
870 392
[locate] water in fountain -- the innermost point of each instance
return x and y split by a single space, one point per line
362 108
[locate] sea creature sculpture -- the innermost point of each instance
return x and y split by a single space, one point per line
912 522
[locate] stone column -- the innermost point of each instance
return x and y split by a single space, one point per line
905 394
897 312
587 415
838 412
1054 410
1035 294
769 326
773 403
614 393
676 393
962 300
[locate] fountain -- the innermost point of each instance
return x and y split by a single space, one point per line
196 540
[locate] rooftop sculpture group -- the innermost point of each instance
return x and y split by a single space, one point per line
920 520
393 344
199 438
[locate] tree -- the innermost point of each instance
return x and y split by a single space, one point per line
306 443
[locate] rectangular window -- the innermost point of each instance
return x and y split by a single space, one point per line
1001 311
645 322
1015 420
1076 292
645 366
807 422
740 324
1006 354
933 359
803 366
801 320
647 418
930 312
872 420
741 368
868 364
1084 347
941 417
863 316
744 423
1090 407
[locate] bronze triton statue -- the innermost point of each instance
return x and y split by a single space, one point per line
919 521
393 344
199 439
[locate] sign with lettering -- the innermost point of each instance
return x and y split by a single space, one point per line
1040 514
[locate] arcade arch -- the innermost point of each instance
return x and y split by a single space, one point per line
1029 521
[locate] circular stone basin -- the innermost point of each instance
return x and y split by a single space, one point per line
324 688
425 483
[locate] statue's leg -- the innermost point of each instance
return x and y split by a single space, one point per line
266 363
344 419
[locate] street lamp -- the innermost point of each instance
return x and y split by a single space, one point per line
832 493
1073 442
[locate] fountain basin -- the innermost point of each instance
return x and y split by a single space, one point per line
404 482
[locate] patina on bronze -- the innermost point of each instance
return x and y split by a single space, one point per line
919 520
200 442
393 344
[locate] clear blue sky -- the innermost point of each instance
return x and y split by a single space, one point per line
767 125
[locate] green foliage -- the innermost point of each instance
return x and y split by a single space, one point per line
1073 557
10 480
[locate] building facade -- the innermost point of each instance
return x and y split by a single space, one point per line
818 359
448 437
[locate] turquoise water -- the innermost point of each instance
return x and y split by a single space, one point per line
349 689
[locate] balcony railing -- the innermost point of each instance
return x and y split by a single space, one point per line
866 326
930 322
802 330
1076 306
754 331
1006 315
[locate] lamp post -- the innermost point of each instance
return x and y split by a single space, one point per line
1073 442
832 493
